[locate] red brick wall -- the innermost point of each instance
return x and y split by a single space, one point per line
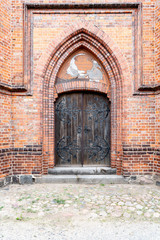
139 120
157 153
157 71
5 78
5 135
5 41
27 134
157 41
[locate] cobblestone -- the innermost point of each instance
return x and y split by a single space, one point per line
62 206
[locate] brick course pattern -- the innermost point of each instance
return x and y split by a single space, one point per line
36 40
5 80
157 71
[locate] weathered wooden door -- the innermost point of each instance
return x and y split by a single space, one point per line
82 129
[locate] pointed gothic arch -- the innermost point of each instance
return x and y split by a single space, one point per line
83 38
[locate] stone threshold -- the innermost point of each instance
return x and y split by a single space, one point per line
86 179
87 170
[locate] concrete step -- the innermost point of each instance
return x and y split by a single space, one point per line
88 179
82 171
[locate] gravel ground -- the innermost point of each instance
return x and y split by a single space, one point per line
86 212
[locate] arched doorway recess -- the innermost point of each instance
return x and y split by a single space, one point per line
112 86
82 119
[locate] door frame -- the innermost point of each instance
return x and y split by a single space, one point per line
110 58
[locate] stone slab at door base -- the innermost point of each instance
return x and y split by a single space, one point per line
88 179
82 170
83 179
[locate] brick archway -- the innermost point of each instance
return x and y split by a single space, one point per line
90 41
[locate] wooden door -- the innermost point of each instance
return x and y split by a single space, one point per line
82 129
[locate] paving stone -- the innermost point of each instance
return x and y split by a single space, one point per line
93 215
147 214
132 209
54 202
66 205
103 214
129 204
156 215
139 206
151 210
117 214
126 215
121 203
125 207
139 212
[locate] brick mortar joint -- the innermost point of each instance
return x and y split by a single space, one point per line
35 148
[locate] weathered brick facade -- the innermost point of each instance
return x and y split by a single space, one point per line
157 71
37 37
